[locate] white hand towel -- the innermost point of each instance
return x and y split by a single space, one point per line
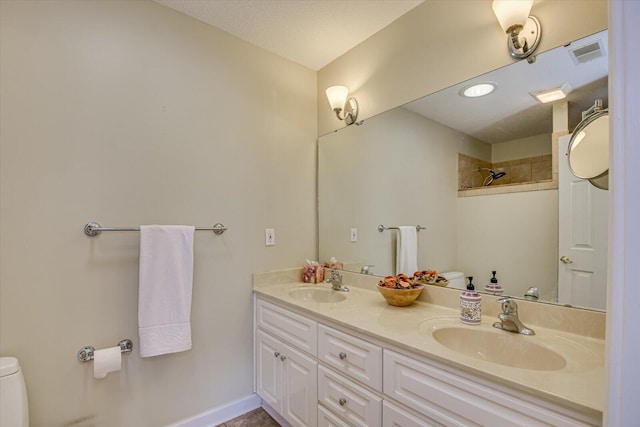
164 294
407 250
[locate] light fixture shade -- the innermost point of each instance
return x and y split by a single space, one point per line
511 12
337 96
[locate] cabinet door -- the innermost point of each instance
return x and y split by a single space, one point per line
269 369
394 416
300 388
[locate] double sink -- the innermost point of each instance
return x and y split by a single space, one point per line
481 342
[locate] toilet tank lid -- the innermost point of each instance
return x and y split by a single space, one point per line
449 275
8 366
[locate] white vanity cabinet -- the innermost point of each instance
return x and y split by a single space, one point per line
316 374
286 378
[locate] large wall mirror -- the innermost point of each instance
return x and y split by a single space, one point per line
486 178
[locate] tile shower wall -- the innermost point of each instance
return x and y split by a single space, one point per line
519 171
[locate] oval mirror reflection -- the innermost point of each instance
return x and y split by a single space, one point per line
589 149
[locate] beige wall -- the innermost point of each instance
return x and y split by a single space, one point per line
127 113
438 44
515 234
532 146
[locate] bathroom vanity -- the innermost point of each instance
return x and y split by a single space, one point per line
325 358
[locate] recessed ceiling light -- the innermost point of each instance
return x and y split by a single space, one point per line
553 94
477 90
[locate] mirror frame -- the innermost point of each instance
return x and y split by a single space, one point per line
600 180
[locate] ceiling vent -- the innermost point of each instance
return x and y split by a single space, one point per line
587 53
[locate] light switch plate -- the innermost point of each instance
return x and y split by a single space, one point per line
354 234
269 236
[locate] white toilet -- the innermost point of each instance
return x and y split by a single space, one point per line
14 408
455 278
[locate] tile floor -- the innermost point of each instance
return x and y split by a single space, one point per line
255 418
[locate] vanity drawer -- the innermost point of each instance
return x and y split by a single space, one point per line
291 327
327 418
458 400
393 415
350 401
359 359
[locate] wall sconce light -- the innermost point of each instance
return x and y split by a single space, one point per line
524 31
345 108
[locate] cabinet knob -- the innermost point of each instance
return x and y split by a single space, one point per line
342 401
276 354
283 358
342 355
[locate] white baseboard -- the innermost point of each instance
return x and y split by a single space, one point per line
221 414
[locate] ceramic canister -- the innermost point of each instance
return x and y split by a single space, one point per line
470 310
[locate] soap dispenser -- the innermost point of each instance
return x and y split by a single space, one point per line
493 287
470 310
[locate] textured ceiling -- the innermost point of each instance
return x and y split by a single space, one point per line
310 32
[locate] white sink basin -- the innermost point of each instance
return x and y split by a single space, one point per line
317 295
493 345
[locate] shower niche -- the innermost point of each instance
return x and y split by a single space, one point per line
523 173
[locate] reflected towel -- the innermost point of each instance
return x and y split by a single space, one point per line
407 250
164 294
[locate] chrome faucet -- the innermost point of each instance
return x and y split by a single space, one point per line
366 269
336 282
532 294
509 320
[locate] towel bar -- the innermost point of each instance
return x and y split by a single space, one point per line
381 228
94 229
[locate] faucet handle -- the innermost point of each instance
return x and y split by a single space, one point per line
335 275
509 306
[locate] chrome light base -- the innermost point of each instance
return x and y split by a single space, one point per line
350 112
523 41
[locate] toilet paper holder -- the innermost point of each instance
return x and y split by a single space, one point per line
85 354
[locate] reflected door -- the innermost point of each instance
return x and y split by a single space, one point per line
582 234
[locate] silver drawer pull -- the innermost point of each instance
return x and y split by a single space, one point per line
276 354
342 401
283 358
342 355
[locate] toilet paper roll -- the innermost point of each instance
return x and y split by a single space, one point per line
106 360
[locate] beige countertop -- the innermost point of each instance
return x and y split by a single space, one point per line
578 385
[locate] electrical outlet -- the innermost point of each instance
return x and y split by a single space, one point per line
354 234
269 236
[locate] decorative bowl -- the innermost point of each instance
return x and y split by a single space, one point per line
400 297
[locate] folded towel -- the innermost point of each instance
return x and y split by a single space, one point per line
164 294
407 250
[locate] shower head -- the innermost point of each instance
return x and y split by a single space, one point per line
493 175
